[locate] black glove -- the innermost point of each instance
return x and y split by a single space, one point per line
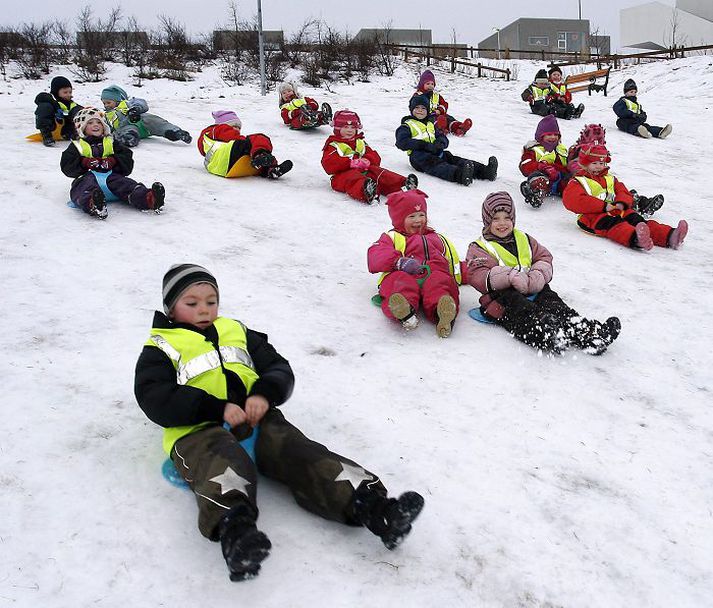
432 148
134 115
642 116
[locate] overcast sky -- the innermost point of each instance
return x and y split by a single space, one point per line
472 20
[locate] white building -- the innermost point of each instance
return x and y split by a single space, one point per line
657 26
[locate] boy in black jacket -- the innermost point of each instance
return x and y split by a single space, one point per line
211 381
100 167
56 107
632 118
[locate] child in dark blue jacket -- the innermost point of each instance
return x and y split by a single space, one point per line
426 147
632 118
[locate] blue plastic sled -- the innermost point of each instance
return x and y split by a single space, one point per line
109 196
476 315
169 472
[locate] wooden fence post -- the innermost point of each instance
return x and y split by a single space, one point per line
507 74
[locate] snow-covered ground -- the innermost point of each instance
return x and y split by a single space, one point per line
549 482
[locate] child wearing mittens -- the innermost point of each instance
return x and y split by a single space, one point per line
301 112
438 107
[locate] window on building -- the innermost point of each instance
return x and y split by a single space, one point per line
538 41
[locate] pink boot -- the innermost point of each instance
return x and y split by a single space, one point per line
678 234
643 237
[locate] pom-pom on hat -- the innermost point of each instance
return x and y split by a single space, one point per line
592 153
419 100
227 117
401 204
179 278
426 76
630 85
57 83
114 93
592 134
342 118
84 115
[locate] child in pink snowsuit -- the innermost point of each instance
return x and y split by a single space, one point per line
354 166
402 254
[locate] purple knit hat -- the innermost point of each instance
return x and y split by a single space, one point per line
227 117
547 125
494 202
427 76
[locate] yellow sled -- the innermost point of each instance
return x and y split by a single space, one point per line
56 134
242 168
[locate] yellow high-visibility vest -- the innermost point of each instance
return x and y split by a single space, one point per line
449 250
86 150
521 261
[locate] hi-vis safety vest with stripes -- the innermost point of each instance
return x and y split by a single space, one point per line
449 251
200 365
539 94
66 108
85 149
559 89
435 99
542 155
632 105
112 117
522 260
217 156
347 151
421 131
593 187
293 105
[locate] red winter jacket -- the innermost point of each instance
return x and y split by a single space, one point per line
287 114
334 163
442 103
529 162
426 248
556 96
219 133
246 144
576 199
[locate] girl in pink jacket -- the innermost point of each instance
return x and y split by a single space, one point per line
419 266
513 271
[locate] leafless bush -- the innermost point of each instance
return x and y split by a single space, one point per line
301 41
94 42
62 38
174 51
34 58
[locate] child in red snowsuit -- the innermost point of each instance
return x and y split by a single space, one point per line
354 166
301 112
402 254
605 206
438 108
544 163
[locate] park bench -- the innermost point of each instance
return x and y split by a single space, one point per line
590 78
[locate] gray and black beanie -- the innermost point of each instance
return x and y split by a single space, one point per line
179 278
630 85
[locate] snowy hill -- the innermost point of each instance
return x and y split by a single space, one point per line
572 481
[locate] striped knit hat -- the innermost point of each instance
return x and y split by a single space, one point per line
494 202
179 278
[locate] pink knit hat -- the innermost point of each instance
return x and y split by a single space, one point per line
494 202
427 76
227 117
402 204
346 117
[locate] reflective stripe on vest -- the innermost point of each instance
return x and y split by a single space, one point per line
217 155
560 90
435 99
539 94
66 108
421 131
293 105
112 116
632 105
449 251
86 150
542 155
200 365
347 151
593 187
522 260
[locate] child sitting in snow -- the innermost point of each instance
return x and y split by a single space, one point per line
97 162
632 117
211 381
538 95
56 107
561 98
130 121
513 271
438 107
544 163
401 256
605 206
354 166
596 134
426 147
301 112
229 154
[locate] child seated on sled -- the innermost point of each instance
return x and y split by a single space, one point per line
229 154
354 166
538 95
418 266
211 381
438 107
54 109
131 122
301 112
605 206
632 118
100 166
426 147
544 163
513 271
596 134
561 98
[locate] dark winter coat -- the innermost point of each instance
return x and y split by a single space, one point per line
170 404
405 142
71 162
622 111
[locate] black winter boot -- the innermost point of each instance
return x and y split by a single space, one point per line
97 206
389 518
243 545
593 337
263 160
47 139
464 174
278 171
543 331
